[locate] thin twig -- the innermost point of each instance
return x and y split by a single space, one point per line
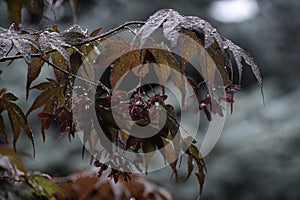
75 76
86 41
123 26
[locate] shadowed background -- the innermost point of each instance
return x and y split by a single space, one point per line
257 156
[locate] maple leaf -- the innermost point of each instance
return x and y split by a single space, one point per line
53 96
194 154
16 117
22 42
172 23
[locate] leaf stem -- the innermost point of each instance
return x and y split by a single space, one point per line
86 41
75 76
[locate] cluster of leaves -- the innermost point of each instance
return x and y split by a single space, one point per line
17 183
65 52
38 8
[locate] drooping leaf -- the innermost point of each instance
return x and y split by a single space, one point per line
34 70
190 168
188 48
52 93
124 64
60 62
14 11
17 118
2 129
153 23
169 67
195 155
149 148
172 23
238 54
170 156
74 6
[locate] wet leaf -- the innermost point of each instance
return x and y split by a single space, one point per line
21 41
189 47
238 54
55 41
153 23
5 44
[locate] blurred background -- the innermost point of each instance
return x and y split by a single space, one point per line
258 154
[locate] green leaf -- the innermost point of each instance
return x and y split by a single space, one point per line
43 186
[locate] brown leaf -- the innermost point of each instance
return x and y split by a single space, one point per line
141 71
53 93
124 64
74 6
112 49
170 155
95 32
60 62
190 168
194 154
2 129
215 61
189 47
14 11
33 72
17 120
149 148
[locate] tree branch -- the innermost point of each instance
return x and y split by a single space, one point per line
75 76
86 41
